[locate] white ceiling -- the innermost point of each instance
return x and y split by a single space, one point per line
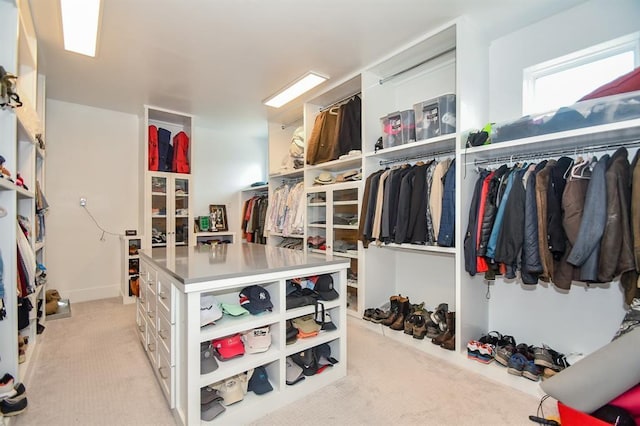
218 59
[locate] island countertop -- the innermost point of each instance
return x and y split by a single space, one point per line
197 264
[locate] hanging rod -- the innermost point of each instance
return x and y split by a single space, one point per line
432 58
418 156
340 101
559 152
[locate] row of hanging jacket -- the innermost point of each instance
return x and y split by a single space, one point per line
285 213
254 213
410 204
558 221
336 131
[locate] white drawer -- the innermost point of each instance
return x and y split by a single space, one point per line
151 308
152 348
142 299
166 298
141 325
166 337
151 280
166 376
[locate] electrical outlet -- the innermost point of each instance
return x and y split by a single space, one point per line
83 201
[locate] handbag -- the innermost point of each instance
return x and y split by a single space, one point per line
301 297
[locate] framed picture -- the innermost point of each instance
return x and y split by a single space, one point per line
203 224
218 215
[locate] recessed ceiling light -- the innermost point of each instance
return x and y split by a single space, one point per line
80 20
297 88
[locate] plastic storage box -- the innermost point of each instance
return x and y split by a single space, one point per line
435 117
593 112
398 128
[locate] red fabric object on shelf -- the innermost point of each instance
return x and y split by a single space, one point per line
154 159
180 153
630 401
626 83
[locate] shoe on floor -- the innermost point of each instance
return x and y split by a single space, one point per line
516 364
17 393
11 407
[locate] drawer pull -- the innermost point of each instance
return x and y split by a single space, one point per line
152 347
141 328
162 374
162 335
162 295
150 314
142 300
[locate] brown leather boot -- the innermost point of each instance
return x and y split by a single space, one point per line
419 327
405 308
394 310
450 329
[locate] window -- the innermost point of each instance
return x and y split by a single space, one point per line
562 81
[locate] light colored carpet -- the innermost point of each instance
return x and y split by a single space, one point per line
91 370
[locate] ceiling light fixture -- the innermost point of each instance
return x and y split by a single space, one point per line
80 20
297 88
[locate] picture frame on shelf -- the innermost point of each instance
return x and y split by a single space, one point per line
218 215
203 224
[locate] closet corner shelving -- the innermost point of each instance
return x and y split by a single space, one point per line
21 130
167 210
131 244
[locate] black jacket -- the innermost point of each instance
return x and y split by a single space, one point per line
470 237
490 209
404 207
531 265
417 230
556 236
511 235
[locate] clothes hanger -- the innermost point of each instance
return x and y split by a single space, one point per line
334 110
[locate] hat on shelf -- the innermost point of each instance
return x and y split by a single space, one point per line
352 153
324 286
323 355
211 410
257 340
255 299
233 310
293 372
324 178
228 347
306 324
207 361
346 176
259 381
231 389
209 394
209 310
292 333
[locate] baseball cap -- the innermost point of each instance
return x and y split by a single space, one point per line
294 372
231 389
207 361
306 324
208 395
209 310
259 381
324 287
257 340
325 323
211 410
228 347
323 355
233 310
292 333
255 299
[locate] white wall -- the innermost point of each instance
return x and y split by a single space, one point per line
93 153
583 26
224 162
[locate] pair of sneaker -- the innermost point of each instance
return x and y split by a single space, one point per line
522 363
13 401
549 360
481 352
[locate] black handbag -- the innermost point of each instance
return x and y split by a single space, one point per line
24 307
301 297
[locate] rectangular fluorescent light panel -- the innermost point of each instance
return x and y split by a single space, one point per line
80 25
302 85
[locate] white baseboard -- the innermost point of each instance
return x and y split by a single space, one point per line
88 294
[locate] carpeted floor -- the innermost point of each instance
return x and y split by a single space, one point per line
91 370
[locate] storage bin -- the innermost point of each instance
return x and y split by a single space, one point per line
435 117
398 128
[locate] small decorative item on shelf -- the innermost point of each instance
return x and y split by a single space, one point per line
203 224
218 215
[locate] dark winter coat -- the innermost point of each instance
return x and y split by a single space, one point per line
512 233
470 237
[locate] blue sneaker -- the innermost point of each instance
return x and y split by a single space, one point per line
532 371
516 364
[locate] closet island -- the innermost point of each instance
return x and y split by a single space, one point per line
172 283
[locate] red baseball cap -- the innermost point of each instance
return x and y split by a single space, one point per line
228 347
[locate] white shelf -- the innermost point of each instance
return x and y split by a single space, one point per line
159 216
318 251
623 131
228 325
214 233
353 162
303 344
334 186
279 234
417 247
317 225
239 365
159 193
255 188
288 174
345 203
306 310
345 226
423 148
317 204
349 255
